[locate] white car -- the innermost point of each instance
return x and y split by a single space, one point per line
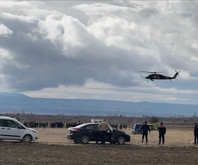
12 129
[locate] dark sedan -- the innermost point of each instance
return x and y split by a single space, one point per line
89 132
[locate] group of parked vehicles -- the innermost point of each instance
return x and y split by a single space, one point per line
12 129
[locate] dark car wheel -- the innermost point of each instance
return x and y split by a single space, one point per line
27 138
121 140
84 139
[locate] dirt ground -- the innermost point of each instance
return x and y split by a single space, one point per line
53 148
173 138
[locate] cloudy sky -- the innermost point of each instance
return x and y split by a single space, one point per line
97 49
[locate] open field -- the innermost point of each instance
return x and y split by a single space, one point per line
16 153
53 148
174 137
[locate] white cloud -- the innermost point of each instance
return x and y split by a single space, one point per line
100 9
5 31
18 17
4 54
102 91
113 31
64 31
14 4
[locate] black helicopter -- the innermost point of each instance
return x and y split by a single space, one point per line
157 76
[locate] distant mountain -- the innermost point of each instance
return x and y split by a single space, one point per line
15 102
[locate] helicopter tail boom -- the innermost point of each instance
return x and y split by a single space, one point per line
176 74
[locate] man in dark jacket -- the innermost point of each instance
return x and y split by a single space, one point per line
195 134
162 132
144 129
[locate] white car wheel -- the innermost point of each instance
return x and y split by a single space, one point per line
27 138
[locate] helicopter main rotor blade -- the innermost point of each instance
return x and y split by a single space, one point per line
150 72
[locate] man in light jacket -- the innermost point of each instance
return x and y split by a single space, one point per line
103 127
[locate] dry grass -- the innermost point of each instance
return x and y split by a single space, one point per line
39 154
174 137
53 148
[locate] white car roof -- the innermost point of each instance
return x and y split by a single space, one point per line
6 117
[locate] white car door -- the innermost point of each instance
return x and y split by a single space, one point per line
13 130
2 129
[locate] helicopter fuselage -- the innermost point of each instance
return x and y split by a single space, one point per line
153 77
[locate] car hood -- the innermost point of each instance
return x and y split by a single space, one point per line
33 130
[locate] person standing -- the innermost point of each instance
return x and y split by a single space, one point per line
144 129
103 127
162 132
196 134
